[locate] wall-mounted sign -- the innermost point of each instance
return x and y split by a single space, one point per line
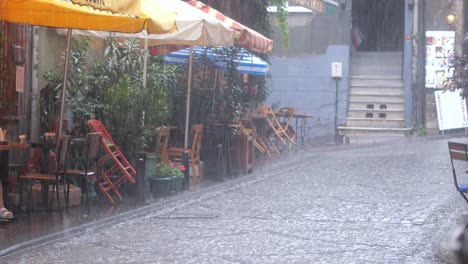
19 79
116 6
451 110
440 46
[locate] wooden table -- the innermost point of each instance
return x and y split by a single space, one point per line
5 148
301 120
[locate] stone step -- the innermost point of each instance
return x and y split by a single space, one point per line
390 63
378 91
371 138
376 98
373 130
376 61
376 70
368 98
377 54
363 113
358 135
376 82
377 106
375 122
383 76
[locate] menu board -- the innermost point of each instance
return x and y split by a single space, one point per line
440 46
451 110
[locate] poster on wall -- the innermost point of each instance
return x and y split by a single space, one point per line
19 79
451 110
440 46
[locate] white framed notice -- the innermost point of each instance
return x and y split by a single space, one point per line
451 110
440 47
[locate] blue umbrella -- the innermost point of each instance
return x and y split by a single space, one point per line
244 61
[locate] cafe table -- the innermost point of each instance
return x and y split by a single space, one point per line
301 121
300 124
5 148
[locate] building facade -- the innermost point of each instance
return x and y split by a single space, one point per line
381 45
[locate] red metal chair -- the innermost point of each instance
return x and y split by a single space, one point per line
113 163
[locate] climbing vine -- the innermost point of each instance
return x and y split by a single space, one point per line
282 14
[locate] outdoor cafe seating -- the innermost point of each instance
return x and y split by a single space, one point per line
263 131
53 178
274 133
175 153
88 165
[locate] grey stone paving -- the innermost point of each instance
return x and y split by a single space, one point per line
388 203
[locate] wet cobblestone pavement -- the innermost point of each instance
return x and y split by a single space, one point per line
387 203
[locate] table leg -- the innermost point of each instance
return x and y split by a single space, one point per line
4 159
303 124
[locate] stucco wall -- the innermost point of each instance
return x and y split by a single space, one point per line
301 77
305 83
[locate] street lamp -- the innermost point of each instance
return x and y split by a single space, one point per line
450 19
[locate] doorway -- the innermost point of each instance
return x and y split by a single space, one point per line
380 23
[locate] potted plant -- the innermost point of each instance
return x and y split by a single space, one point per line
176 173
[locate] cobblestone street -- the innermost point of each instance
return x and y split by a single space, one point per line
386 203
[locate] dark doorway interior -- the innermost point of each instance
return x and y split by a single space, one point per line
381 23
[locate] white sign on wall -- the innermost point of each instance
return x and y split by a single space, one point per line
451 110
440 46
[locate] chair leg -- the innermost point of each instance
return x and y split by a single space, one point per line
29 203
51 204
194 171
200 170
57 194
464 197
21 194
66 194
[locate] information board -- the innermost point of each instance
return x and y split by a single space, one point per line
451 110
440 47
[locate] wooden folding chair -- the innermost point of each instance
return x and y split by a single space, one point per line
90 168
175 154
49 177
285 117
249 127
275 133
162 143
459 152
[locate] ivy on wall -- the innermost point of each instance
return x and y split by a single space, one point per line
282 14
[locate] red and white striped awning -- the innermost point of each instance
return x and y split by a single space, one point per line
245 37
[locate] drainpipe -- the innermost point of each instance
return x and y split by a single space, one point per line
35 115
422 61
26 95
414 64
420 86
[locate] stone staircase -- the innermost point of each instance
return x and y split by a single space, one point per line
376 98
